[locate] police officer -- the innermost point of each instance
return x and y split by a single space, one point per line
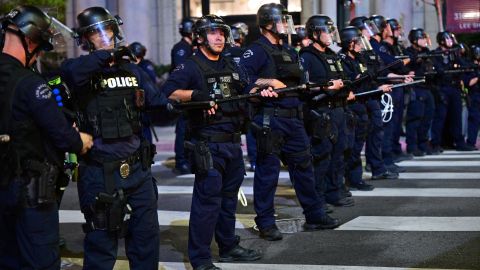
474 98
139 50
182 49
396 46
355 66
422 105
327 116
300 39
374 142
215 142
280 130
382 44
180 52
39 135
117 193
239 34
448 96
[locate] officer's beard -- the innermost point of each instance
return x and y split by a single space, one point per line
321 43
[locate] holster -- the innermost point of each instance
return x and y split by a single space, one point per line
41 183
147 153
350 119
109 213
321 125
268 142
202 158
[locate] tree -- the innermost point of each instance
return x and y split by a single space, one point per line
55 8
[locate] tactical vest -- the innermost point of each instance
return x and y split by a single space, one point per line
111 109
26 140
356 65
283 66
331 62
219 84
372 61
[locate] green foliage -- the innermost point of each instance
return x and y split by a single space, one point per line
55 8
162 69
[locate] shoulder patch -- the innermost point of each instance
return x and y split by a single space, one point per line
150 67
181 52
43 91
383 49
179 67
247 53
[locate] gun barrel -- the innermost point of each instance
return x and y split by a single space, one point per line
393 87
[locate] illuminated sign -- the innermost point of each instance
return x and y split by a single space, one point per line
463 16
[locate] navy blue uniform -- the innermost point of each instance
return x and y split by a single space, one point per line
148 67
180 52
142 237
327 147
392 129
374 143
357 128
214 199
473 108
283 118
421 106
29 233
448 100
236 53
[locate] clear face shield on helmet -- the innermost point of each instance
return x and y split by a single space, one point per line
424 41
332 33
283 25
105 35
227 32
62 35
363 43
370 27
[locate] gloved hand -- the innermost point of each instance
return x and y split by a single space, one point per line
120 52
198 95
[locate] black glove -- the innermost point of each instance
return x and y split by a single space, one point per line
198 95
120 52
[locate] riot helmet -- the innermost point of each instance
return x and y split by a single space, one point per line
185 28
382 25
277 16
418 37
301 37
98 29
396 27
235 33
209 23
446 39
475 52
36 25
363 23
351 34
318 24
242 28
138 49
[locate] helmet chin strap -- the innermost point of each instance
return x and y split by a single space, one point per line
28 55
208 47
319 42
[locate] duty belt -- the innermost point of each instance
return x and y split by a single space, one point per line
110 166
283 112
220 137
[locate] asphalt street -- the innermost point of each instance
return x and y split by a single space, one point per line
429 218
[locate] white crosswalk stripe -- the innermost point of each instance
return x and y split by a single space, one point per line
418 184
439 224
